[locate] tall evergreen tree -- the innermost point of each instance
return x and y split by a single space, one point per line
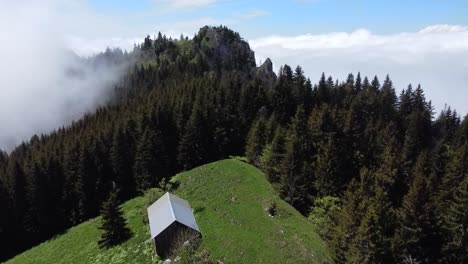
299 88
114 225
413 217
272 156
358 84
35 197
256 141
451 203
347 220
87 177
325 166
282 99
366 247
454 226
193 147
151 162
122 163
296 182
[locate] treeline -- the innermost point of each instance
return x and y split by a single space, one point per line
401 176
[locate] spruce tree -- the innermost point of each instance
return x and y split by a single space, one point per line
358 84
451 202
325 165
299 88
256 141
323 90
85 183
122 162
272 156
387 101
346 221
34 199
114 225
413 217
7 216
193 147
455 226
295 175
282 98
151 161
366 246
72 191
16 189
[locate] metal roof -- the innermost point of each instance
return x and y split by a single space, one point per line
167 210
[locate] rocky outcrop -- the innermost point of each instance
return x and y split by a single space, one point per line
266 74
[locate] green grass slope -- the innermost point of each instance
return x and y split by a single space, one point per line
229 198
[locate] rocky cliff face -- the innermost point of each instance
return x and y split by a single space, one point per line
266 74
224 49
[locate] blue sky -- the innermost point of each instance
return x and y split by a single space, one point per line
294 16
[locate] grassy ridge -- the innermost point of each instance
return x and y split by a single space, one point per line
79 244
229 198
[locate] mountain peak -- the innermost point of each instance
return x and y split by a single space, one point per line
225 48
267 65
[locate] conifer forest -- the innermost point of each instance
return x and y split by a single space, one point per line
390 173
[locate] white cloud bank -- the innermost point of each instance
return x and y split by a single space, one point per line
37 91
436 57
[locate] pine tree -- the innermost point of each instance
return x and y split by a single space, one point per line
151 161
193 147
281 98
296 182
272 156
122 163
346 221
86 181
252 98
35 194
114 225
72 192
325 166
375 85
451 202
256 141
455 226
147 44
413 217
387 101
358 84
16 188
4 221
456 169
323 90
367 243
417 134
349 86
299 88
373 235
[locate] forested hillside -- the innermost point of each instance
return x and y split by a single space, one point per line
235 225
399 173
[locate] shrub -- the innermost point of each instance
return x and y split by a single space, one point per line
322 212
